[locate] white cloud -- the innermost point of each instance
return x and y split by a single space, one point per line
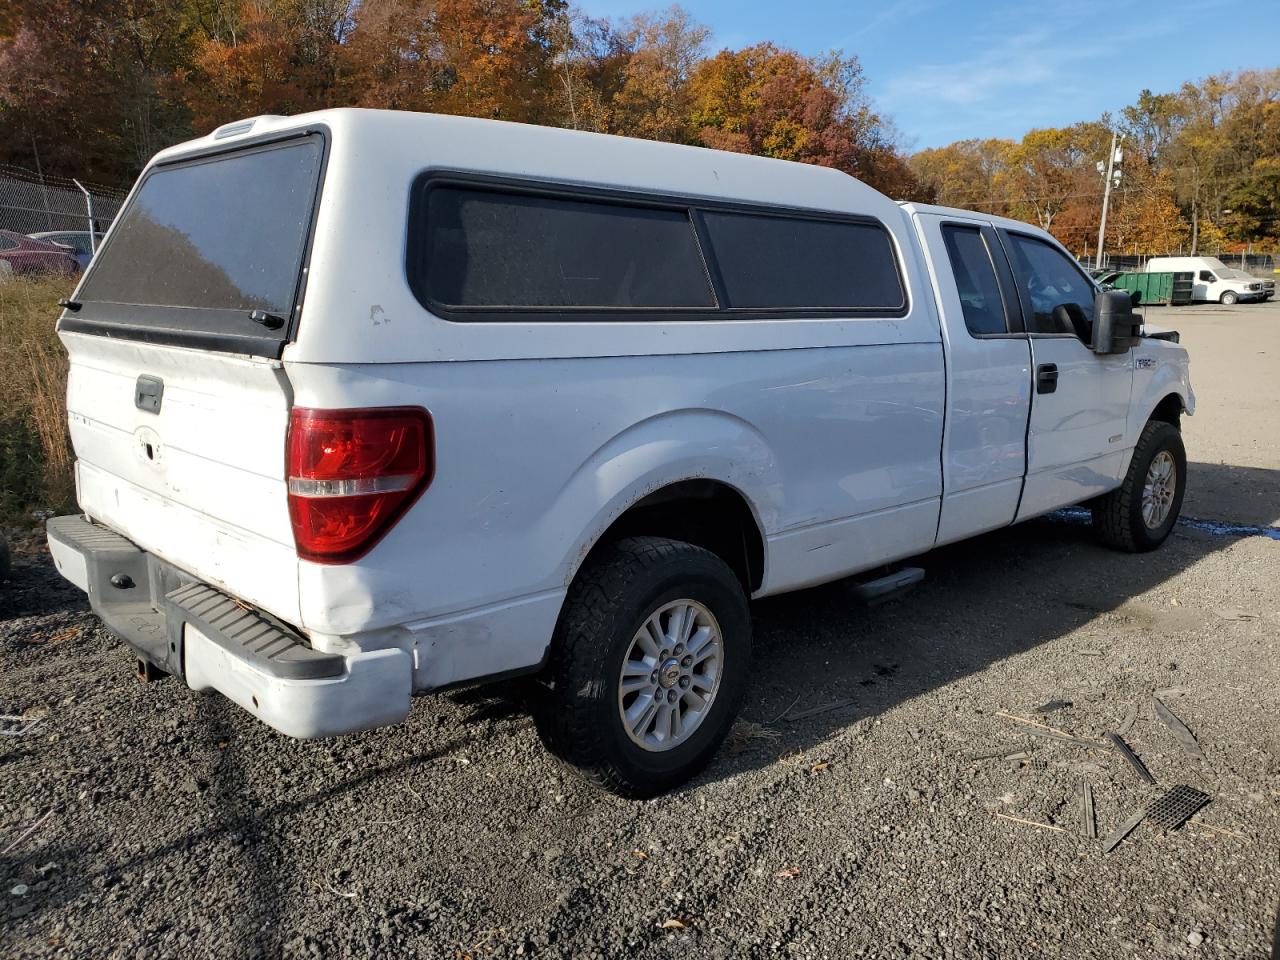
891 12
1028 61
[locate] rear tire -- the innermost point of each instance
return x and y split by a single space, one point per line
1229 298
1139 515
633 602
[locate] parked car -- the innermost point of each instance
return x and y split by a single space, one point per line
78 241
570 403
1214 280
1268 286
29 257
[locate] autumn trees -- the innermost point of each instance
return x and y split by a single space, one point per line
94 87
82 83
1201 171
967 173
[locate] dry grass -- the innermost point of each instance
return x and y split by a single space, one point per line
35 453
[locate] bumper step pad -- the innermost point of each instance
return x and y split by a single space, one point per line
250 635
146 601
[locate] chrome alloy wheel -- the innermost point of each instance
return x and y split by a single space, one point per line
1157 493
670 675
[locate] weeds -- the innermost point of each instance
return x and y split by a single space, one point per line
35 451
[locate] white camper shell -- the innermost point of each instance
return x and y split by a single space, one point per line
368 404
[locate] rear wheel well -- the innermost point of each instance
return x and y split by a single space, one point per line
707 513
1169 410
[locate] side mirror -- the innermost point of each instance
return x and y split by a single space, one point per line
1115 325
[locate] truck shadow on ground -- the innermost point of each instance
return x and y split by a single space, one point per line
983 601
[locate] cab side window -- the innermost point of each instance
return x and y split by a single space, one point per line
975 280
1207 275
1052 281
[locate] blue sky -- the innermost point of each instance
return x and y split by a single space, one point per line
947 71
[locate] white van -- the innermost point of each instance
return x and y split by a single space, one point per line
1214 280
368 404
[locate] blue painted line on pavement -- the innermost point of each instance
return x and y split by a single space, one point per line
1220 528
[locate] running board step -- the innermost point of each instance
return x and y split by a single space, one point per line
891 585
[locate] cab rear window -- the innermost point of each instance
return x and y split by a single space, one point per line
203 244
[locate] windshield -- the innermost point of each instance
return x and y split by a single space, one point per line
215 238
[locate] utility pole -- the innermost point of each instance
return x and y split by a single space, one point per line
1114 156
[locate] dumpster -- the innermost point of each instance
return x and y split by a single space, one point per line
1157 288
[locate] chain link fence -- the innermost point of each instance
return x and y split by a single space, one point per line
31 203
1259 264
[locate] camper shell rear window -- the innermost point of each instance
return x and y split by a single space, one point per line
204 247
492 250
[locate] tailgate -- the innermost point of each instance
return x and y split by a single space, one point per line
200 481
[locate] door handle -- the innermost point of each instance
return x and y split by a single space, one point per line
1046 378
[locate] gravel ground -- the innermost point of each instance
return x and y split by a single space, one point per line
171 824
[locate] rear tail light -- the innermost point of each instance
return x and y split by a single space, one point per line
352 474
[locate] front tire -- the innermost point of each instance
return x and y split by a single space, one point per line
1139 515
1229 298
648 666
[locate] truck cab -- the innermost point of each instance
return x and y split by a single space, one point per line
1016 314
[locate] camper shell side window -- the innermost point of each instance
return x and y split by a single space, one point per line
482 249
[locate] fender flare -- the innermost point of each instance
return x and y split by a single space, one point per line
669 448
1168 380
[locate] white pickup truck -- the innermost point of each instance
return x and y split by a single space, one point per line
368 404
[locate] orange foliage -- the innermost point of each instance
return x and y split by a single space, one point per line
777 103
257 72
483 58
